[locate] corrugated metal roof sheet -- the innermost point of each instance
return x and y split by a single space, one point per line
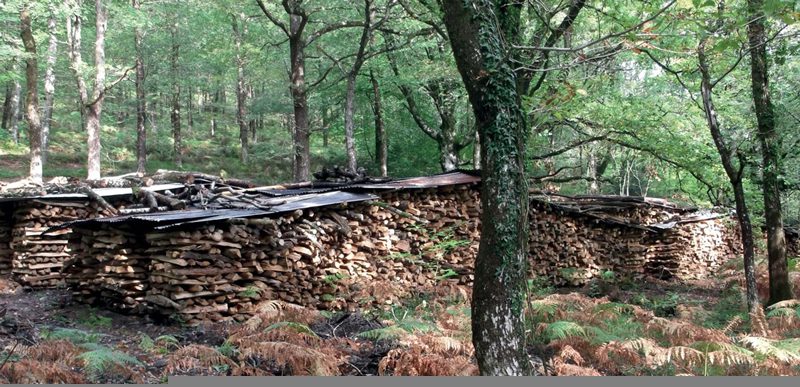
170 219
444 179
104 192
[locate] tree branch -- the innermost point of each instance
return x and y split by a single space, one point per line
272 18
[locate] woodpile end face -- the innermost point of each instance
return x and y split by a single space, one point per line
343 255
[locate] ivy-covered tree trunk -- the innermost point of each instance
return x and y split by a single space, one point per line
141 100
779 285
32 98
477 37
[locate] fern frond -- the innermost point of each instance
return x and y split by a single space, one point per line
387 333
195 356
100 359
561 329
786 351
785 304
293 359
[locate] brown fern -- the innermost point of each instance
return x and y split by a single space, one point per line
196 358
292 359
28 371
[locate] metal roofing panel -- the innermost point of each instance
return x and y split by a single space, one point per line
444 179
103 192
296 203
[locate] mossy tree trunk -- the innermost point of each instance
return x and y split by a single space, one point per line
478 33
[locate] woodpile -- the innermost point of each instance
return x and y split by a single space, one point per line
325 257
692 251
572 243
349 255
111 268
37 258
5 240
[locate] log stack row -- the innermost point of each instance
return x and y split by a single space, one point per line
333 257
37 258
5 241
693 250
111 268
347 255
570 249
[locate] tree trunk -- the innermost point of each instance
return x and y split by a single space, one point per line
175 112
381 143
302 150
91 109
13 107
448 154
349 124
96 106
779 286
190 109
734 176
7 106
476 151
501 267
32 100
241 97
49 83
141 101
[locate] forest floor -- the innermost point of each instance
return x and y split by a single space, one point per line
608 327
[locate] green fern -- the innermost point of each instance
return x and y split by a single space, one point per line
560 330
387 333
76 336
227 349
146 343
99 358
167 341
297 327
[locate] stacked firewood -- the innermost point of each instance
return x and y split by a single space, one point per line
5 240
112 268
37 258
693 250
324 257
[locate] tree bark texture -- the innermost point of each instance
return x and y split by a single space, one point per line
32 97
479 46
779 286
141 100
